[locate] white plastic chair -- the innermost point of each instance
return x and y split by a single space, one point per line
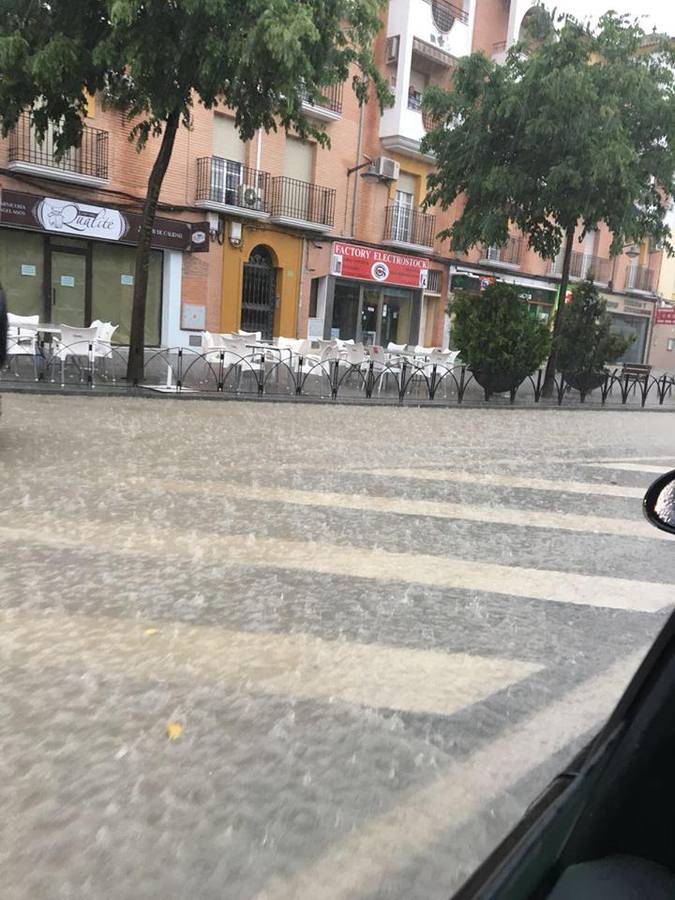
103 346
234 354
22 340
385 365
74 344
291 350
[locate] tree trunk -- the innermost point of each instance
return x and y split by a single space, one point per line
549 377
135 364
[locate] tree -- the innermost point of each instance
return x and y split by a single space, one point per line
156 58
575 129
586 342
498 338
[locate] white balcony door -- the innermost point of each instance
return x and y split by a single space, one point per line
404 201
299 166
229 153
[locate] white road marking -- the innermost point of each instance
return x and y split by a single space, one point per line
374 564
515 481
629 467
387 843
497 515
288 665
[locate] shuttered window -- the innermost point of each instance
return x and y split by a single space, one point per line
299 160
226 141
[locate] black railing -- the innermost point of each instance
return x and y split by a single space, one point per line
266 371
508 253
90 158
585 265
409 226
639 278
445 14
330 97
233 184
294 199
434 281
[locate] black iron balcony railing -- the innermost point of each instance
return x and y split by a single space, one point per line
232 184
445 14
331 98
585 265
294 199
90 158
409 226
639 278
508 253
414 99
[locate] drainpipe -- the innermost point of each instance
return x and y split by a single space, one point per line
359 148
304 263
258 153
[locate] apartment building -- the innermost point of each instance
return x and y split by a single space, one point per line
279 235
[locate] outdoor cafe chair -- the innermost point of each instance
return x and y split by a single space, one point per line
75 344
103 347
22 340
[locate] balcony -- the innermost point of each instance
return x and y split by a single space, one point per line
301 204
227 186
639 278
328 106
86 164
409 229
507 254
585 265
427 37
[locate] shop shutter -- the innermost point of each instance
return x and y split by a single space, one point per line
226 141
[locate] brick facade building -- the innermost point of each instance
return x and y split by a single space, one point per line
281 236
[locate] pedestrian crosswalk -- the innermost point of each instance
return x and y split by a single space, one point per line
298 627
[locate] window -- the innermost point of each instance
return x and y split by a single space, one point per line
299 159
113 290
670 344
314 297
404 200
22 271
229 154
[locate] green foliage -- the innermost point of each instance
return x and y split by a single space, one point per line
157 57
586 341
496 334
576 127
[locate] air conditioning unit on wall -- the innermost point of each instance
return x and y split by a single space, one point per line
250 196
385 168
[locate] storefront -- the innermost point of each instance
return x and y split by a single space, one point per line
631 318
72 262
540 300
372 295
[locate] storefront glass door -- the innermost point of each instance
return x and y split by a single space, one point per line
395 318
374 315
68 287
370 306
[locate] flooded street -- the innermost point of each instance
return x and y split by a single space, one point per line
278 652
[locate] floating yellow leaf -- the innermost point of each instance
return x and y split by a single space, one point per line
174 730
150 631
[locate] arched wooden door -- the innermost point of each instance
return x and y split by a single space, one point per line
258 301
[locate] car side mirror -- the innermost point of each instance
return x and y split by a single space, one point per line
659 503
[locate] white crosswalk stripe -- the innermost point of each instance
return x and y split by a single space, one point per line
515 481
373 503
332 559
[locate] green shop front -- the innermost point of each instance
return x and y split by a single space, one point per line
71 262
540 299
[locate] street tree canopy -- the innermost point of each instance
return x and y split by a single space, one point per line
575 129
155 58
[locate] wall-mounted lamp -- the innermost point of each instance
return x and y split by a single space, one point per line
215 227
235 233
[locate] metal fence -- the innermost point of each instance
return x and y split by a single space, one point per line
300 200
445 13
409 226
90 158
229 182
283 374
330 98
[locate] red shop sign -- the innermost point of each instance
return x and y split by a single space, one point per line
665 316
383 266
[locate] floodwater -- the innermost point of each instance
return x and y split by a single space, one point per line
273 651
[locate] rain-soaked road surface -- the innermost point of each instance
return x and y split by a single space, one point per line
305 653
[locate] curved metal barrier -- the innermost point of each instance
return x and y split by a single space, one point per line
272 372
